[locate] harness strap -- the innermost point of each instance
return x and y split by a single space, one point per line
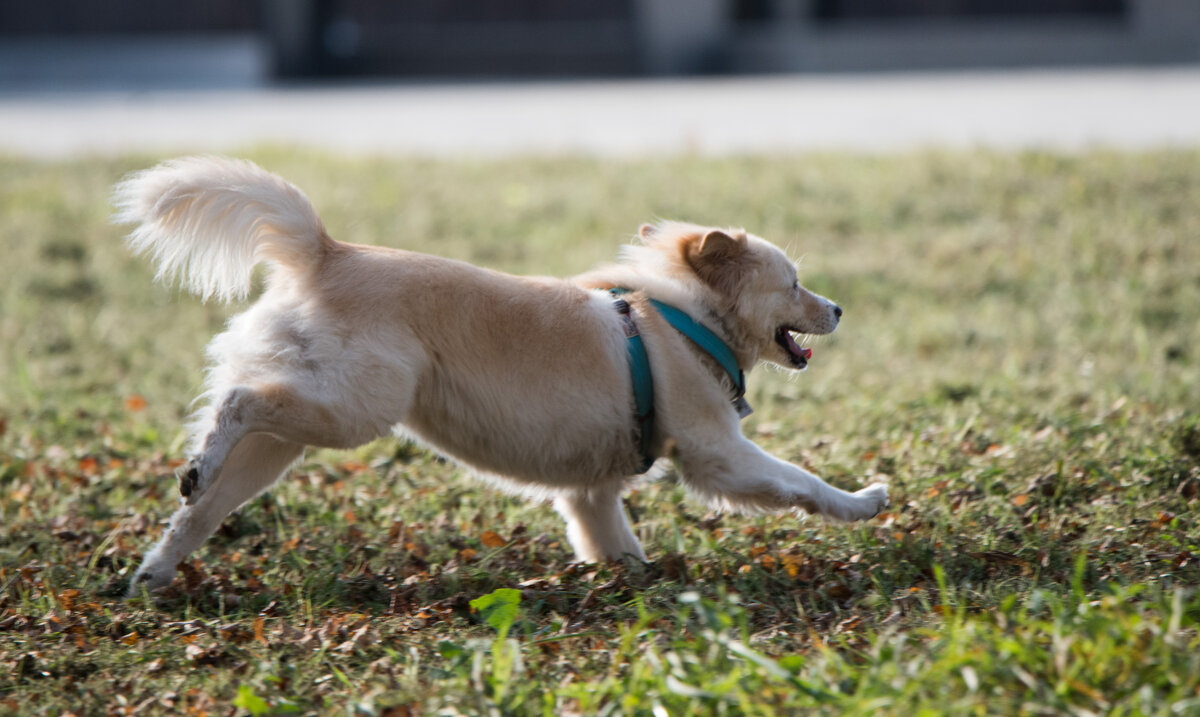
712 345
643 382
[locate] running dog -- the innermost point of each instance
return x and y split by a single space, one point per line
561 389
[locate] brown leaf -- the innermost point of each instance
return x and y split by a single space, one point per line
837 590
66 599
135 402
54 623
233 632
1190 488
791 564
674 567
354 467
492 539
193 574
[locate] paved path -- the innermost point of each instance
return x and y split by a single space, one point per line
1128 108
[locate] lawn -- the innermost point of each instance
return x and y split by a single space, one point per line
1019 358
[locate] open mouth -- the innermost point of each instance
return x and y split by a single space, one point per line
799 355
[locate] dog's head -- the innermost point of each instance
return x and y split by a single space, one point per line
751 284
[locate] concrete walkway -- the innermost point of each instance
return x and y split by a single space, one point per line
1062 109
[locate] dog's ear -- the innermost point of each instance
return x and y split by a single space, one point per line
716 257
646 231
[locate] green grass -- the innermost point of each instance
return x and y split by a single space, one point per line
1019 355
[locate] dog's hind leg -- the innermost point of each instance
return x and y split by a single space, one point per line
253 464
275 409
742 476
597 525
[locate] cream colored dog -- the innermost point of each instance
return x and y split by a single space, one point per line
525 380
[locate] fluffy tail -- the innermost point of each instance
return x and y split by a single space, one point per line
206 221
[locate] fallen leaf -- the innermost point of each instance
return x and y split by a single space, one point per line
135 402
492 539
837 591
66 599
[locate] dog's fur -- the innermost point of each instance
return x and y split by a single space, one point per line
525 380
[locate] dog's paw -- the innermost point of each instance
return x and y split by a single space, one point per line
860 505
872 499
149 579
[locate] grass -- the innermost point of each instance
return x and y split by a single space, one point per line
1019 355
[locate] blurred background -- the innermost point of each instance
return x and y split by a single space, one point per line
469 77
273 39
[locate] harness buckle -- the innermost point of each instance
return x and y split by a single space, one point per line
627 322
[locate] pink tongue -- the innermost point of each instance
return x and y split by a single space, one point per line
804 353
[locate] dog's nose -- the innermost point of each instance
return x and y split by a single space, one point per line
837 311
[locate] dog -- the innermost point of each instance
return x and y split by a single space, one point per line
528 381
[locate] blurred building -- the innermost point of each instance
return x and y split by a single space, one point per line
627 37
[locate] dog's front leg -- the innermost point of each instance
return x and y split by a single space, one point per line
741 476
597 525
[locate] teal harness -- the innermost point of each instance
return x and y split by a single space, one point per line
643 380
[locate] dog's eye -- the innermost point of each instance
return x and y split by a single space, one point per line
796 285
